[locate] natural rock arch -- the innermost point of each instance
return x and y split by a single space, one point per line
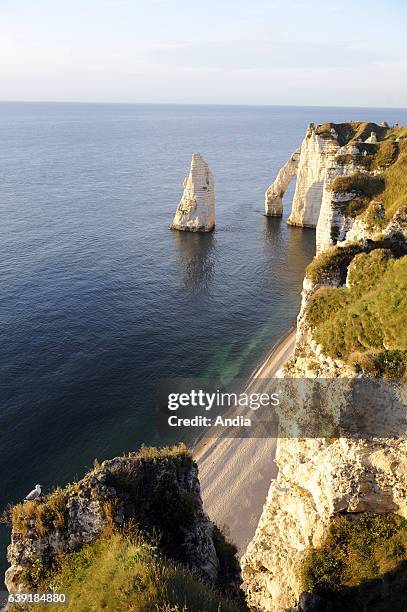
273 203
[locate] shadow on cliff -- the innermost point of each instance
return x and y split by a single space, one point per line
389 592
195 259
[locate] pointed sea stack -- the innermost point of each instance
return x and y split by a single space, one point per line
196 210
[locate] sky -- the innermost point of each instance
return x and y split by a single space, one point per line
297 52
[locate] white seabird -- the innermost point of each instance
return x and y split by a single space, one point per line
35 493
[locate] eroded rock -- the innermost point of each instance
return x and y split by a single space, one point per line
274 195
196 210
160 495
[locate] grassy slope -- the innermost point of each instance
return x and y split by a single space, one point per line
395 193
361 564
124 573
368 317
366 323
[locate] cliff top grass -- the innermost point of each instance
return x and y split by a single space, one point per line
333 263
353 131
388 187
42 515
363 185
51 510
125 573
152 453
394 195
362 562
366 323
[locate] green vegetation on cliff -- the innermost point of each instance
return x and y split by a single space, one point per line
130 536
126 573
361 564
381 176
363 185
388 186
333 263
366 322
394 195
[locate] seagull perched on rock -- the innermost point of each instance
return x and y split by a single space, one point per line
35 493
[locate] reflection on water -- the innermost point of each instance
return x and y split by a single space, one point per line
272 230
285 246
298 242
195 259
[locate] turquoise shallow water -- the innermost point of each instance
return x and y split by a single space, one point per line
100 300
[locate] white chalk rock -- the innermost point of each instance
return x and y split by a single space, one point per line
317 154
196 210
349 149
372 138
273 204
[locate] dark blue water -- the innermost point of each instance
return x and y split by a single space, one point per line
99 300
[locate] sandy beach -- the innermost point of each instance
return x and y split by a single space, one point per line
235 473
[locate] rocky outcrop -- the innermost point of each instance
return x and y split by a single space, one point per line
196 210
274 195
160 493
317 154
310 164
318 479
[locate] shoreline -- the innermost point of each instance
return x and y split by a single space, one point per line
235 473
257 371
201 438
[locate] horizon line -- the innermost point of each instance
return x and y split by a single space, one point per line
198 104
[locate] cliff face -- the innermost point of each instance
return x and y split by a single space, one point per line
325 480
159 492
332 225
196 210
316 156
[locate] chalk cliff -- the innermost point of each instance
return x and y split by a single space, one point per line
274 195
309 164
349 330
333 223
327 152
196 210
317 153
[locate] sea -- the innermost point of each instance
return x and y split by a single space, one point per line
99 300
